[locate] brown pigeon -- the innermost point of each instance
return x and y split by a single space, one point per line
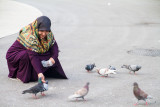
81 92
139 94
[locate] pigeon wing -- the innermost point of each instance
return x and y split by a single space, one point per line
102 71
134 67
139 94
78 94
87 67
92 66
143 94
81 92
37 88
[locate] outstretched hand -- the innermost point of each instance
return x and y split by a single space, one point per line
40 75
52 60
48 63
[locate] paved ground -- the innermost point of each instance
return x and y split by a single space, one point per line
89 31
15 15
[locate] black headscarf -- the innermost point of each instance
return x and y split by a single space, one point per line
43 23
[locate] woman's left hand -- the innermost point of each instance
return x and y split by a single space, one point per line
48 63
52 60
40 75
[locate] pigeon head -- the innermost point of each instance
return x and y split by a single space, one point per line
40 80
111 67
139 67
87 83
87 86
135 84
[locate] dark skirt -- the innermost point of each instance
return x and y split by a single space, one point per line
25 64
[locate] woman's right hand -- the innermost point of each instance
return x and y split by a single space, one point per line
42 76
52 60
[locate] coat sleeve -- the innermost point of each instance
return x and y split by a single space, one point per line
55 51
35 61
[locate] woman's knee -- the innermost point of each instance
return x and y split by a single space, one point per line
24 56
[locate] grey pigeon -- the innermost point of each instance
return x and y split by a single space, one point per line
139 94
90 67
111 67
133 68
81 92
40 87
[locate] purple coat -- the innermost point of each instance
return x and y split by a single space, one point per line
25 64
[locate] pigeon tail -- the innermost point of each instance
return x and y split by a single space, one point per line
26 91
74 96
112 71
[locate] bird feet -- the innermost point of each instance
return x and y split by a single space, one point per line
137 104
104 76
42 94
88 71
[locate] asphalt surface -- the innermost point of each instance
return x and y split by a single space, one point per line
100 32
15 15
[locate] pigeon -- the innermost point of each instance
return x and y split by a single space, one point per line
111 67
105 71
40 87
81 92
133 68
139 94
90 67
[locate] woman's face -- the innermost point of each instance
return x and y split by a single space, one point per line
43 34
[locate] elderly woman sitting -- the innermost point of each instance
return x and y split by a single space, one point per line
35 53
